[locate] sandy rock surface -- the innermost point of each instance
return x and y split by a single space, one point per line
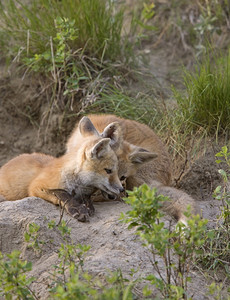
113 246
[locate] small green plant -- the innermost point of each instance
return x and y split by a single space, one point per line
71 258
70 281
223 192
142 18
84 286
14 283
59 53
60 59
71 255
32 237
216 249
215 290
175 246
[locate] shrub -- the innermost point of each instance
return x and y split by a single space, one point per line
13 280
216 249
68 280
175 246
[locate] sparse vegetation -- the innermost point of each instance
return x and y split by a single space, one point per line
207 101
13 279
188 26
176 246
68 280
86 50
216 249
33 29
76 44
141 107
33 239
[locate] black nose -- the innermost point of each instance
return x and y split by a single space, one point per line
121 189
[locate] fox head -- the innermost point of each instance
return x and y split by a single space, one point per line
93 162
130 157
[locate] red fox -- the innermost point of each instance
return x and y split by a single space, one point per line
91 165
131 157
156 173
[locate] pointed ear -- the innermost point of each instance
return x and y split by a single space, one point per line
140 156
100 149
87 128
114 132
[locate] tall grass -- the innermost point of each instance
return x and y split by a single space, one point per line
142 107
77 44
30 27
207 100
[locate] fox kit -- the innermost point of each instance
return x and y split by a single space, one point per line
131 157
157 173
90 165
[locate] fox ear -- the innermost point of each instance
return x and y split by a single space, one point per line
100 149
87 128
114 132
140 156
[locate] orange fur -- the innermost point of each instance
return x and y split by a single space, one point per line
19 172
156 173
90 165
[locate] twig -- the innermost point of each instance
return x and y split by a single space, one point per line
177 180
61 211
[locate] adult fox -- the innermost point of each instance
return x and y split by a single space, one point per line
90 165
157 173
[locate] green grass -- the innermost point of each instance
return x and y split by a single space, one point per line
31 28
165 119
78 45
207 100
141 108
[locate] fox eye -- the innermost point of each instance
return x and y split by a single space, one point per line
122 178
108 171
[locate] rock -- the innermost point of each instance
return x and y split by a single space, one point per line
113 246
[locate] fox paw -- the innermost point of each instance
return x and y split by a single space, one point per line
80 212
78 208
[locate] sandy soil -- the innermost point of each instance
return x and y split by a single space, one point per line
113 245
22 106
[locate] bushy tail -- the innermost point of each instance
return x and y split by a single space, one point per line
178 204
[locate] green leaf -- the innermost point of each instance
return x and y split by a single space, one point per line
133 224
225 149
27 237
218 161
